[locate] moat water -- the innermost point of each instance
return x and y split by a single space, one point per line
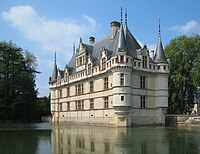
44 138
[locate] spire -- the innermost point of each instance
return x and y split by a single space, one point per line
126 17
55 70
122 47
74 48
126 25
55 58
159 55
159 36
121 17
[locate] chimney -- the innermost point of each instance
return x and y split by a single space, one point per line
114 28
152 54
92 40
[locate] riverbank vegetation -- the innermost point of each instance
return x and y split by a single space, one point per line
18 93
184 55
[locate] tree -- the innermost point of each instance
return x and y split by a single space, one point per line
18 95
43 107
183 53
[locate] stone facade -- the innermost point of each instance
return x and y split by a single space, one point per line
113 82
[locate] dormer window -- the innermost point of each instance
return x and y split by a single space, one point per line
103 63
144 62
89 68
81 61
122 59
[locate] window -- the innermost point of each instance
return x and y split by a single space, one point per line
138 64
91 86
164 67
89 68
79 89
122 59
60 93
60 106
144 62
127 60
79 105
82 89
117 60
122 98
83 60
77 62
68 92
106 103
82 105
91 104
76 105
68 106
142 82
122 79
142 102
103 63
76 90
106 83
80 59
134 63
158 67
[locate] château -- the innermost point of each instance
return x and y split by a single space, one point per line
113 81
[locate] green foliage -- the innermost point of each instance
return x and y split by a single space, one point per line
18 95
183 53
43 107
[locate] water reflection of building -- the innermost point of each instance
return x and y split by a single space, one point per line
103 140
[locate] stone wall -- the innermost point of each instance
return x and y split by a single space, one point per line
182 119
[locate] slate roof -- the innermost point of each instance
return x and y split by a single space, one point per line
111 45
160 56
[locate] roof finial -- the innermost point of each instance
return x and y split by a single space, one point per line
73 48
121 17
159 29
126 17
55 57
80 39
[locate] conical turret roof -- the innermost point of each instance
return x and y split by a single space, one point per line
55 70
160 55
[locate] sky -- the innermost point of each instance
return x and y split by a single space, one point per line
44 27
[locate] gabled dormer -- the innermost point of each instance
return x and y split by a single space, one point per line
145 57
89 64
81 57
103 58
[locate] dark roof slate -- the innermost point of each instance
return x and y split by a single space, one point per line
111 45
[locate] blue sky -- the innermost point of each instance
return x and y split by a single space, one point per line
45 26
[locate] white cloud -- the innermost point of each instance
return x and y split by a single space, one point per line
91 21
190 27
50 34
